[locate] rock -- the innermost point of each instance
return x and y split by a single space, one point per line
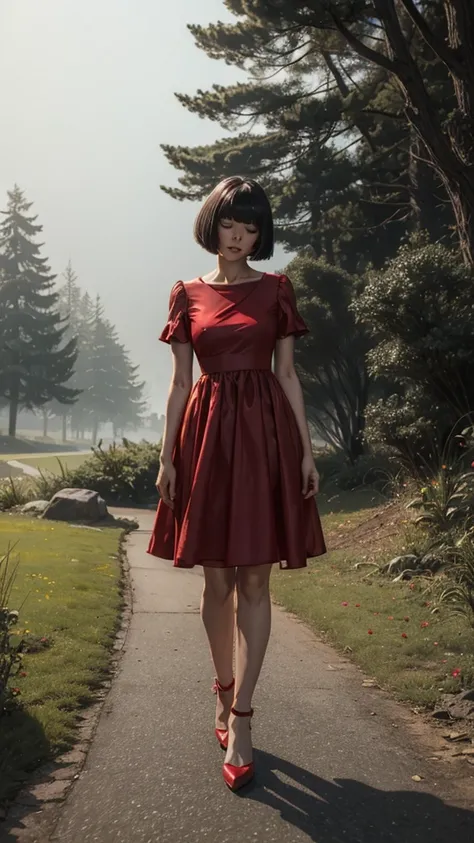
128 524
34 507
462 709
456 736
467 695
441 714
76 505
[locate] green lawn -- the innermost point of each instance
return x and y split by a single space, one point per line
68 585
370 629
53 464
46 462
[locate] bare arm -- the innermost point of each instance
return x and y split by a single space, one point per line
286 375
180 387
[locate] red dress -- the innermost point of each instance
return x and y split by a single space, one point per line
238 451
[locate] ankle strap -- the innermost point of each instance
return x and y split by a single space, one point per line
242 713
218 687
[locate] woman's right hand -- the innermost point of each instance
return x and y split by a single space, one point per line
166 483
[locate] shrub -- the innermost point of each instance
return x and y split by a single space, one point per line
419 314
16 491
459 596
47 484
446 496
376 470
120 474
11 647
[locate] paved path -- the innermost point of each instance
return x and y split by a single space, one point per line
329 770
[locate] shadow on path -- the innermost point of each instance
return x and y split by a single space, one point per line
349 811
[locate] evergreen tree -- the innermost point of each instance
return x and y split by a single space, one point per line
36 359
330 140
69 304
112 391
129 405
332 359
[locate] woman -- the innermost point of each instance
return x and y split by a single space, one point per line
237 477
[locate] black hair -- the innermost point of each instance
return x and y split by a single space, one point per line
242 200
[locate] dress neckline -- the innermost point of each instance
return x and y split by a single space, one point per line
238 284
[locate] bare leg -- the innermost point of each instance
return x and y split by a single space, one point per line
253 632
218 617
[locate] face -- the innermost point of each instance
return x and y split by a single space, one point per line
237 240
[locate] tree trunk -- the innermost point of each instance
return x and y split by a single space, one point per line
449 148
64 429
13 413
461 193
95 430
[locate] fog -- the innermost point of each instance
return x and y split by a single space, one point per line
87 93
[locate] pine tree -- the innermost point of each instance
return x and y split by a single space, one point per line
129 405
112 391
36 359
69 303
330 139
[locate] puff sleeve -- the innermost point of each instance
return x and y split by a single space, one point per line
177 326
289 320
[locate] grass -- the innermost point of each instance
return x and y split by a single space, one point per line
69 582
416 668
52 464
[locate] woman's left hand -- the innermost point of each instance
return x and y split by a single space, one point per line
310 477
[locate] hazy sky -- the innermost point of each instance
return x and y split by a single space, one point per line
87 92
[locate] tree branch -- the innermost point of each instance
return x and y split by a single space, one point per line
444 53
359 46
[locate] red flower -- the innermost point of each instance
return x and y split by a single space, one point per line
23 673
357 605
406 618
404 635
370 632
435 643
16 691
345 603
472 464
376 613
412 585
456 672
390 617
44 640
424 624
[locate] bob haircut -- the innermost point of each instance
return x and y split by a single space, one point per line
242 200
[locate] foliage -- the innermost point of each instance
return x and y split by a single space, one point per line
48 483
16 491
374 469
419 314
11 649
36 359
111 390
331 359
323 125
459 595
121 474
446 504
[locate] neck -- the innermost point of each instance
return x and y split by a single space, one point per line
229 272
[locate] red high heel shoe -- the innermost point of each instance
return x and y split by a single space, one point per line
222 735
237 777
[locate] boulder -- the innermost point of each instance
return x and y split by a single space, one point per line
76 505
34 507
